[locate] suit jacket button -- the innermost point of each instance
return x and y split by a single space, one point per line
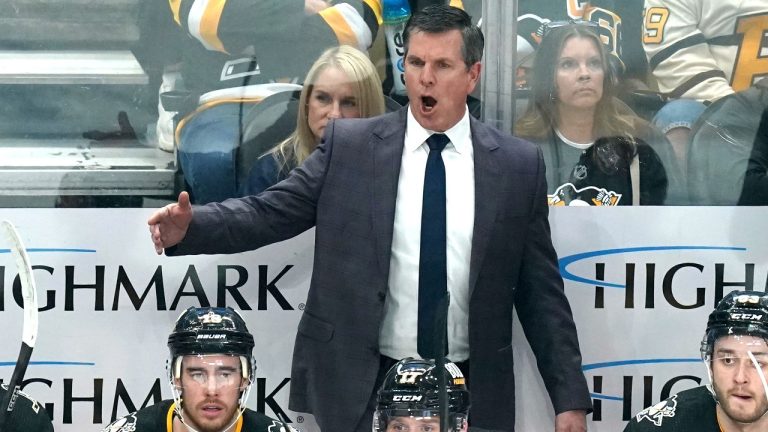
382 295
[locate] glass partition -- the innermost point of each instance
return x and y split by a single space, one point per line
126 103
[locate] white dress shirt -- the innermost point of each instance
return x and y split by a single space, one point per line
397 337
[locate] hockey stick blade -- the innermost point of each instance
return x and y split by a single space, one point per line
29 331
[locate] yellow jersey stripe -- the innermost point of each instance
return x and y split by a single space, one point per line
375 6
336 21
205 106
169 418
209 25
203 23
175 7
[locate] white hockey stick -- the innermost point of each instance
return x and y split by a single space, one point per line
29 332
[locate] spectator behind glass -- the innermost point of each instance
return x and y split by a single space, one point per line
700 51
617 21
597 152
234 54
728 158
342 83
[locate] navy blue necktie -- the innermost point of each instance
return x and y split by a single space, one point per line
433 273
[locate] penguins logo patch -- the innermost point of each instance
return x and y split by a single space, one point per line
656 413
569 195
279 427
125 424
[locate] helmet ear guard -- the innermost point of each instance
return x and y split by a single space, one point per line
247 367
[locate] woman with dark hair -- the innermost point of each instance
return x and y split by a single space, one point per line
597 151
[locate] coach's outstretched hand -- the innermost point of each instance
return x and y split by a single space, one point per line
168 225
571 421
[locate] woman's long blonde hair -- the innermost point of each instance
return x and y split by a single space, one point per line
366 86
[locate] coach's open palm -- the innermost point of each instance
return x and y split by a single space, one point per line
168 225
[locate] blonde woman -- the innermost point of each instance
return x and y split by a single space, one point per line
342 83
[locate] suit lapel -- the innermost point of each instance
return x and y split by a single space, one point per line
487 194
387 146
387 141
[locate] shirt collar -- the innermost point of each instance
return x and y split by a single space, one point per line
459 134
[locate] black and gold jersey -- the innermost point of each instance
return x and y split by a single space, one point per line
159 418
688 411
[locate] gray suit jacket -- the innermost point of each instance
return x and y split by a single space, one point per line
347 189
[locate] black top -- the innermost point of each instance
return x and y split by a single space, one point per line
27 416
575 177
688 411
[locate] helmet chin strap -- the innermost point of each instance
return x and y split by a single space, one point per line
174 368
711 385
760 373
180 413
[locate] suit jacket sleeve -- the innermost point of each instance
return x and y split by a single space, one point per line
283 211
545 313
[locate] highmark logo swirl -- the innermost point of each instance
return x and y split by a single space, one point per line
565 262
52 363
56 250
645 278
680 276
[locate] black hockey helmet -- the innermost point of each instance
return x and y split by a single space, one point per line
740 313
209 330
411 389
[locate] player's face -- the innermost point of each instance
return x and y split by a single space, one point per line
579 74
736 380
211 388
332 96
437 79
416 424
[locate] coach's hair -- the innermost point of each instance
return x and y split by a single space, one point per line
442 18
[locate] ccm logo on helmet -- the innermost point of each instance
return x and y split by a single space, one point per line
407 398
746 316
211 336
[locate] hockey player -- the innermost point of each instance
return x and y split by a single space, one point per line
27 415
408 398
210 370
735 353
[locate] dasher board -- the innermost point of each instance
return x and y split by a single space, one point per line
83 167
70 67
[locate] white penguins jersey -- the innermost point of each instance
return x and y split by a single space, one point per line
705 49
